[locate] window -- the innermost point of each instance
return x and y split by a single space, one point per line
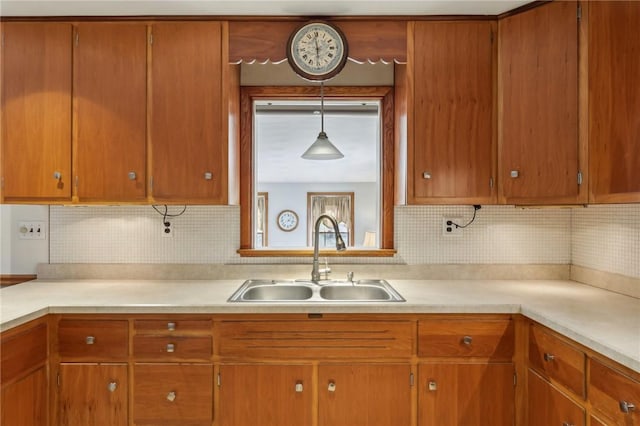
338 205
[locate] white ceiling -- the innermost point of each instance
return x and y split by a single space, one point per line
255 7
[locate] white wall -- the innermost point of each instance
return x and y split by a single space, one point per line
20 256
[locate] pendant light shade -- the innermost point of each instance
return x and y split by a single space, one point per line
322 148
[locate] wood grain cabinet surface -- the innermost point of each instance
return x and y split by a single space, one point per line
110 87
451 157
189 145
614 101
614 394
93 340
549 406
36 112
539 151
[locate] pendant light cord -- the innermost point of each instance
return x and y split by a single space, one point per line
322 106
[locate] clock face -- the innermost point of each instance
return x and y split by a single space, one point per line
287 220
317 51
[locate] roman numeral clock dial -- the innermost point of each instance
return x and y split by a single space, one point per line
317 51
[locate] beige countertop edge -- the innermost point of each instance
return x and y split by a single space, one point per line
603 321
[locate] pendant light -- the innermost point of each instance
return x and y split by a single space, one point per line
322 148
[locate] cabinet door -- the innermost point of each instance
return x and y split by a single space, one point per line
188 141
364 395
36 111
24 402
451 156
549 406
614 101
538 145
265 395
109 82
466 394
173 394
92 395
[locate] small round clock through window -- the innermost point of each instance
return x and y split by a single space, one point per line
287 220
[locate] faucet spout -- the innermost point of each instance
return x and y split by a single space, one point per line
340 245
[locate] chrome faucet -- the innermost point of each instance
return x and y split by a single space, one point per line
340 246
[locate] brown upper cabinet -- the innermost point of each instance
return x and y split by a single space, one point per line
36 111
109 84
614 101
189 146
540 156
451 155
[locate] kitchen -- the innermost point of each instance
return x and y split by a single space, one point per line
124 242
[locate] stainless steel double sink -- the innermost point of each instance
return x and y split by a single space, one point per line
296 291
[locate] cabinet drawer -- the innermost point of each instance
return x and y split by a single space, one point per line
315 339
549 406
170 326
171 394
555 359
172 347
611 392
466 338
95 340
23 352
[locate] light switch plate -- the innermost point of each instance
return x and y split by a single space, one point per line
32 230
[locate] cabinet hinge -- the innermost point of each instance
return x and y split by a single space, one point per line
151 183
491 36
515 379
579 178
491 182
219 380
411 379
58 379
579 12
77 38
75 182
151 38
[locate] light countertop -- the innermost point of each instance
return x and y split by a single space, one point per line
606 322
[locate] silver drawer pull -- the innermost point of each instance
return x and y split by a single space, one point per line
514 174
171 347
57 175
467 340
131 175
432 386
112 386
208 175
627 407
426 175
549 357
171 396
299 387
171 326
89 340
331 387
567 424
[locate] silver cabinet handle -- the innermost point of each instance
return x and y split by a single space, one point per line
549 357
432 386
299 387
331 387
171 396
112 386
467 340
627 407
515 174
426 175
131 175
89 340
208 175
171 347
567 424
171 326
57 175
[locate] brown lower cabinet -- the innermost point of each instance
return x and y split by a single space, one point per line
272 370
93 394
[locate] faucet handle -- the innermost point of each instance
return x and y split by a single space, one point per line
350 276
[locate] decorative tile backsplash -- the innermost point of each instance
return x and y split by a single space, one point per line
205 234
607 238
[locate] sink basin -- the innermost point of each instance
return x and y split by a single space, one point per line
305 291
278 292
354 292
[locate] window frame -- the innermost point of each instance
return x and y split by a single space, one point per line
250 94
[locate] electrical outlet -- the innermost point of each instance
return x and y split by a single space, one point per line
450 230
168 231
32 230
